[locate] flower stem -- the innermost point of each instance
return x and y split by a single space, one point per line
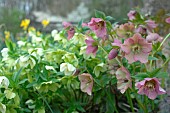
167 36
130 100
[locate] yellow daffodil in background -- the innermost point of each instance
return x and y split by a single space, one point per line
25 23
7 34
31 29
45 23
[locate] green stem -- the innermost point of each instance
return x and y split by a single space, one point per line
167 36
130 100
46 102
153 104
146 103
113 104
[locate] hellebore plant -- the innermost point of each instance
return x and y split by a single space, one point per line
97 66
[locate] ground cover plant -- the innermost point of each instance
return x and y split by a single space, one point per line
94 67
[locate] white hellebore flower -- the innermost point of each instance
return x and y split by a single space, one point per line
67 68
24 61
4 81
4 52
56 35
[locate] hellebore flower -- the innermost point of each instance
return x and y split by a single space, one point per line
136 48
70 29
141 29
91 46
4 82
67 68
153 37
131 15
151 24
125 30
112 54
123 79
86 83
150 87
116 43
167 20
98 25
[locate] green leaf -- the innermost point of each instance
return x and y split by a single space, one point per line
162 75
140 76
109 18
16 75
80 23
152 58
154 72
99 14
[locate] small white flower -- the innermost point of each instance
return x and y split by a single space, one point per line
67 68
4 81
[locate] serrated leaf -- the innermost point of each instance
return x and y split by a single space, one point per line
140 76
162 75
99 14
109 18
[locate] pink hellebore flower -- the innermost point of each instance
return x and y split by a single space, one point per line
167 20
141 29
86 83
125 30
151 24
112 54
123 79
98 25
92 46
136 48
150 87
116 43
131 15
153 37
70 29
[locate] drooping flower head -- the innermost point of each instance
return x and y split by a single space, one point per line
151 24
92 46
123 79
141 29
167 20
67 68
136 48
154 37
86 83
131 15
150 87
112 54
4 82
98 26
70 29
125 30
